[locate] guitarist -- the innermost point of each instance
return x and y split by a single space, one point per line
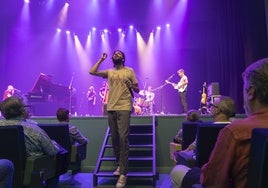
181 86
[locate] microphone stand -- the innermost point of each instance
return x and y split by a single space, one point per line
70 93
161 95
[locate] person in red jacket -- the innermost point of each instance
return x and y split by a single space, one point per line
228 162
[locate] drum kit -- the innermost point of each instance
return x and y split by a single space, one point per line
141 105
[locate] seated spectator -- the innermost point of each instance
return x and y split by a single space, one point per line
6 173
37 142
191 116
75 134
228 162
222 110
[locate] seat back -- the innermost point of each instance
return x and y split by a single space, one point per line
258 159
12 147
207 134
188 133
60 133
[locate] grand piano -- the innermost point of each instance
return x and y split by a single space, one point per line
45 96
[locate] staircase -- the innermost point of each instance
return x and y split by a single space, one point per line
142 154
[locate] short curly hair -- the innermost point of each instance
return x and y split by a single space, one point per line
256 75
62 114
12 107
227 106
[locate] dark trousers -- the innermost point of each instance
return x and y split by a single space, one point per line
119 122
183 101
104 109
191 177
91 108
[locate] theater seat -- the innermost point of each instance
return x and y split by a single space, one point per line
258 163
29 171
77 152
60 133
188 133
258 159
207 133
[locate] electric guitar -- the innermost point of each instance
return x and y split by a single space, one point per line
179 86
204 95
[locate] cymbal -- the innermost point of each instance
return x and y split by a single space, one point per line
143 92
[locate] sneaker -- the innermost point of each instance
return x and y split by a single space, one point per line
121 182
117 172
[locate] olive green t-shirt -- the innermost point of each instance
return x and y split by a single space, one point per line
120 97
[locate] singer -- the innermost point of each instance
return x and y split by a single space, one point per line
121 80
10 91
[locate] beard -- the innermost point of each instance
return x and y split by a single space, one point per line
118 61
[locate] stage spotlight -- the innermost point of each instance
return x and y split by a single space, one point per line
67 4
105 30
26 1
93 28
67 32
167 25
58 30
119 30
158 28
131 26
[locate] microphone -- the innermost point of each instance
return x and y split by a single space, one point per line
17 90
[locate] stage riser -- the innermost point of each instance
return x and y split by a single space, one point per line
94 128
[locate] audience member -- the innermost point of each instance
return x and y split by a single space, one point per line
6 173
222 110
37 142
191 116
75 134
228 162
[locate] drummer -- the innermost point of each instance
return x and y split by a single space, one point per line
148 103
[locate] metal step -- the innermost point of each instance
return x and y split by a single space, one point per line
130 158
130 174
133 146
142 149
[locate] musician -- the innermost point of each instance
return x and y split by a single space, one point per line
149 99
182 89
91 100
104 93
10 91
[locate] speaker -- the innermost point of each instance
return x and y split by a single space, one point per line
213 89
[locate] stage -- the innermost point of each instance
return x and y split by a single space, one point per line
94 128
